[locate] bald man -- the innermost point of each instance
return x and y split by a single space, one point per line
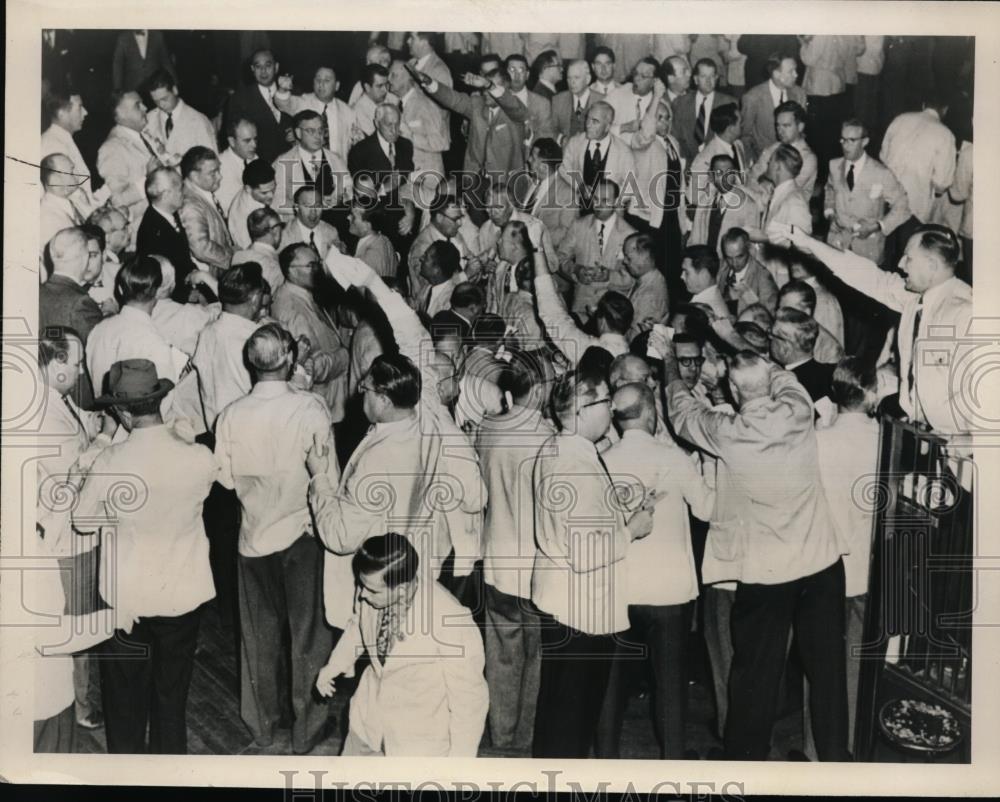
660 575
57 210
161 232
785 553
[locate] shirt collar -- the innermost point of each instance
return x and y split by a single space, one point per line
133 313
932 113
931 295
208 196
605 143
637 435
705 293
383 142
169 218
267 247
270 389
859 164
307 157
792 365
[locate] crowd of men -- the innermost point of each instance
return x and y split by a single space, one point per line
501 371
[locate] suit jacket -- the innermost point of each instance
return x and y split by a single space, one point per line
121 161
422 124
556 205
291 174
272 135
539 118
579 249
877 195
816 377
63 302
651 161
699 178
447 320
757 107
564 119
129 69
496 146
757 279
685 115
157 236
739 210
207 233
619 163
368 157
788 206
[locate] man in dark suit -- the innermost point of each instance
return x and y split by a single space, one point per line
255 102
386 159
693 110
63 299
138 54
793 338
161 232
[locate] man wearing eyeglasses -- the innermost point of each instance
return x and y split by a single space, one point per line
296 308
864 201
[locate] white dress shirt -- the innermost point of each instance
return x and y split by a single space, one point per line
713 298
56 139
180 324
323 236
231 166
236 217
218 357
660 567
261 442
266 256
154 556
55 214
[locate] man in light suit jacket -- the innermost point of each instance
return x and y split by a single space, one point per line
337 115
201 215
729 205
424 694
426 60
597 153
496 121
421 123
633 100
759 103
551 198
591 254
741 279
864 200
569 108
138 54
540 121
694 109
310 164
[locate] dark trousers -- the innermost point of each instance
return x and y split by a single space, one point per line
669 247
145 676
79 581
513 665
283 593
761 617
574 679
56 734
656 640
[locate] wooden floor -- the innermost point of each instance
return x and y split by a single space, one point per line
215 727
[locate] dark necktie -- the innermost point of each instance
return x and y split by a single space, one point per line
392 156
326 126
715 223
169 127
850 177
911 371
600 241
672 194
74 413
149 147
699 123
737 162
218 207
312 241
323 180
177 222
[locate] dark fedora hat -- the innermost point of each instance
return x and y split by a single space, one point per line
133 381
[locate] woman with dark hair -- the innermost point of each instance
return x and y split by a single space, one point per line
423 692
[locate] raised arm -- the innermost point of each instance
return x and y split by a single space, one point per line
554 316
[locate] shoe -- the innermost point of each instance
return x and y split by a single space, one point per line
94 721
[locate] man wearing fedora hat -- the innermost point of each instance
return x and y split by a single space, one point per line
154 568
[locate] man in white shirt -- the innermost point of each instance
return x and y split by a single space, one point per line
569 108
56 208
929 299
265 228
131 333
67 114
178 126
374 92
660 573
699 272
155 569
786 203
377 55
218 356
261 444
258 193
603 65
335 113
726 124
631 101
306 225
920 151
790 126
242 138
179 323
579 582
